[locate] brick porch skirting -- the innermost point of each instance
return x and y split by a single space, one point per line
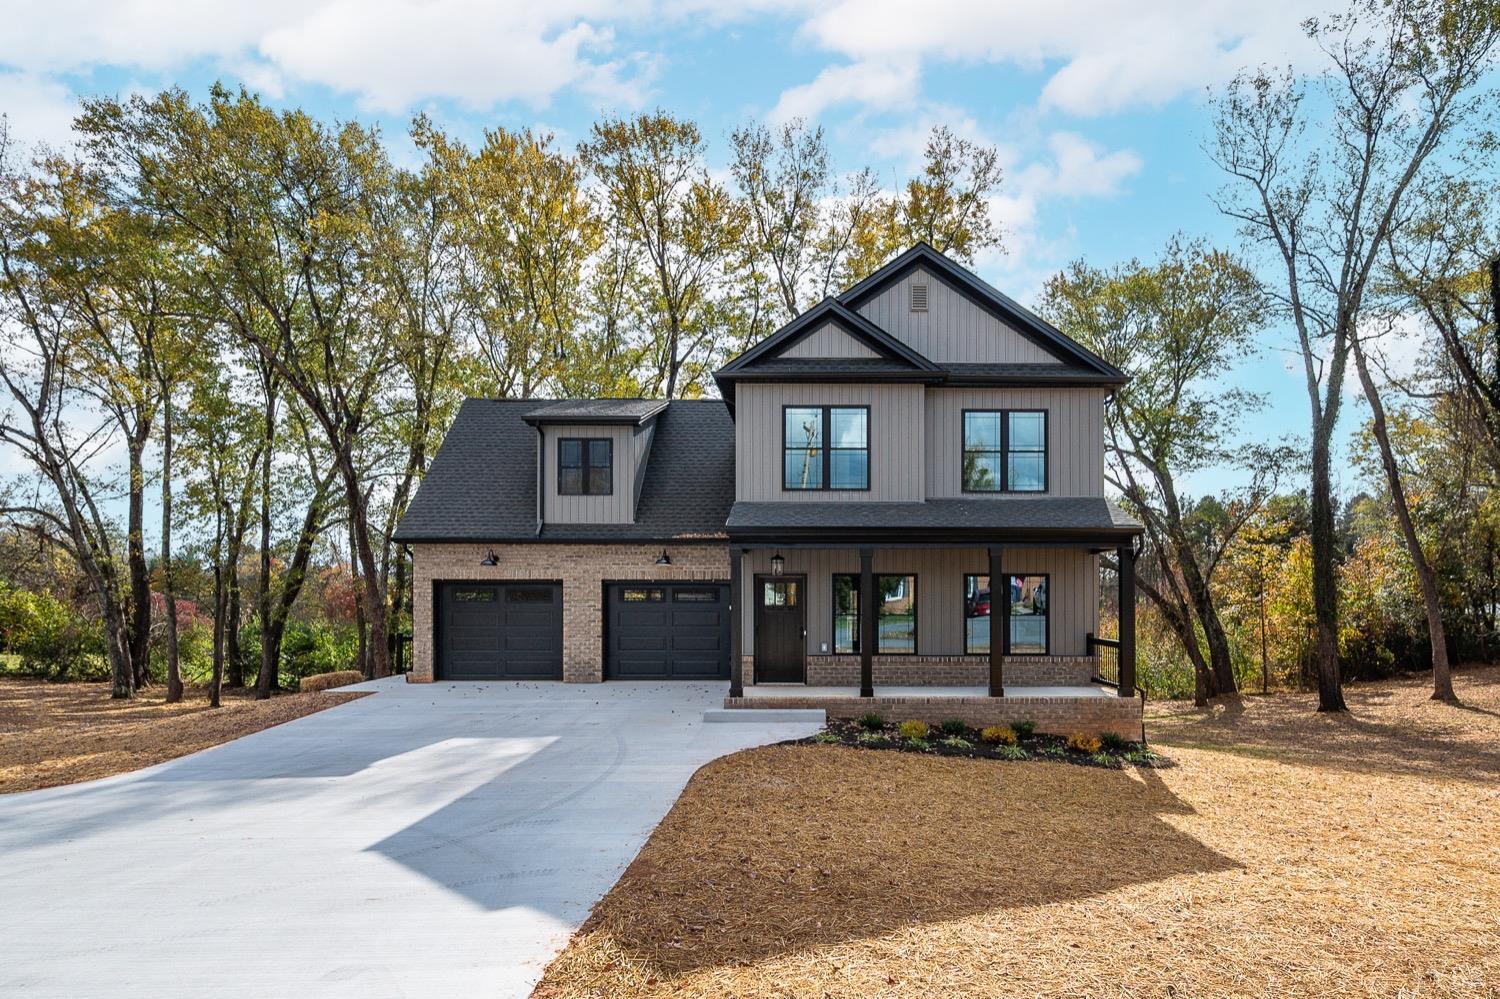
944 671
1053 715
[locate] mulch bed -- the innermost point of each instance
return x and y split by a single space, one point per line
1288 854
63 733
969 744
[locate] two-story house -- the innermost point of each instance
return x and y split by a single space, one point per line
884 481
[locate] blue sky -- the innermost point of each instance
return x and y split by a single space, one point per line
1097 108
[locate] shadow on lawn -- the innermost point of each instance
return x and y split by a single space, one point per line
1391 728
779 849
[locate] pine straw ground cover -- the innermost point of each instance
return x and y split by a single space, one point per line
62 733
1287 854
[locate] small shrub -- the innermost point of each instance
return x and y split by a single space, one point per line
954 726
870 739
1105 760
1024 729
323 681
921 744
957 742
826 737
1012 752
1052 749
999 735
871 722
1083 742
914 730
1113 742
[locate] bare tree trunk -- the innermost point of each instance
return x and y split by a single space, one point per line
233 655
169 590
216 682
376 650
265 680
1442 676
1324 570
140 579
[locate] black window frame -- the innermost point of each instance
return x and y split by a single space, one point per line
826 450
1004 451
833 614
1007 648
585 450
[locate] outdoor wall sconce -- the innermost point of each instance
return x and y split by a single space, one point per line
663 558
491 560
777 564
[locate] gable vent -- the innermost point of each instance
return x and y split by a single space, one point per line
919 298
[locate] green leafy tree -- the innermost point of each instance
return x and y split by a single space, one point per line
1323 169
1172 326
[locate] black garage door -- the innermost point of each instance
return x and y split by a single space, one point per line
667 631
499 631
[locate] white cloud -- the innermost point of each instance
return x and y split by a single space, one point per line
389 54
879 84
1078 169
1107 56
36 109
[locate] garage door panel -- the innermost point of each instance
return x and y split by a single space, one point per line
502 631
642 643
664 631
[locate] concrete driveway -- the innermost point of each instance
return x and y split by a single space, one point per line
429 840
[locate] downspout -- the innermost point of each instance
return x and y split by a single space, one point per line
542 479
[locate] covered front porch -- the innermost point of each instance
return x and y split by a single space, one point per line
988 625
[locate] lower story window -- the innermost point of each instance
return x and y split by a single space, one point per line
895 617
1027 631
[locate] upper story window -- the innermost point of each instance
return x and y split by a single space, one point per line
585 466
1005 451
825 447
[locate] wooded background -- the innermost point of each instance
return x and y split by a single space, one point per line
253 325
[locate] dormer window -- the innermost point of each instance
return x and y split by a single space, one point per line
585 466
919 297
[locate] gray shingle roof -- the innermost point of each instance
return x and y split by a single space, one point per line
482 485
600 410
1041 514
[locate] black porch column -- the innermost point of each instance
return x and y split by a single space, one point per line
867 612
999 620
736 626
1126 556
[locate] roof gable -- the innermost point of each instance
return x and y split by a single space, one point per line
1037 341
818 320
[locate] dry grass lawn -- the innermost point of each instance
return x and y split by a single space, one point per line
1287 855
62 733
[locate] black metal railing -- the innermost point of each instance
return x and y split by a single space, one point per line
1106 655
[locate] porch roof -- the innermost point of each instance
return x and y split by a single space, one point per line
1067 519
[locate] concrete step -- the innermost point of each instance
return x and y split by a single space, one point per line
765 716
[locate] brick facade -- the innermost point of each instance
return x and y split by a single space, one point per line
1054 715
581 569
944 671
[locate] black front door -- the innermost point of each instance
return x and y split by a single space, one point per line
780 629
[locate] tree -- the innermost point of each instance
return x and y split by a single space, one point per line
947 206
783 177
1173 326
284 212
84 296
658 192
1401 79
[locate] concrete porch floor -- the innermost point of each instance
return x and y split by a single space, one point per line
1012 693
